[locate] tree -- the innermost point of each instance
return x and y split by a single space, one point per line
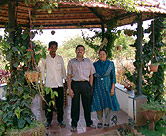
67 49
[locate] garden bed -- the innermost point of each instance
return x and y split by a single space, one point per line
35 129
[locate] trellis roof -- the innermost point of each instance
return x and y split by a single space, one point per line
79 15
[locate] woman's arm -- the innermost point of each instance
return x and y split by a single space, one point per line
112 89
114 80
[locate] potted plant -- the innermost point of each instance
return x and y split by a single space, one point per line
153 111
33 56
119 47
128 87
154 67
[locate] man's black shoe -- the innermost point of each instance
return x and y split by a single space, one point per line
62 124
73 129
47 125
92 126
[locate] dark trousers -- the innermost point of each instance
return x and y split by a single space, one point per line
83 89
58 103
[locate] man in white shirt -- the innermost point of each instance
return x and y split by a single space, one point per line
53 74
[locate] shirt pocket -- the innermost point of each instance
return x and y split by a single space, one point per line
58 66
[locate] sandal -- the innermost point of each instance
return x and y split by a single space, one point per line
106 125
99 125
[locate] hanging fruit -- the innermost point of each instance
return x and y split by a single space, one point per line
52 32
128 32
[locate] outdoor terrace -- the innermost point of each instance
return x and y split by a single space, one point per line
56 130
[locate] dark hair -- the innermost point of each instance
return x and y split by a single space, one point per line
52 43
103 50
80 46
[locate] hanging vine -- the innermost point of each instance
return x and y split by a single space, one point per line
97 41
153 82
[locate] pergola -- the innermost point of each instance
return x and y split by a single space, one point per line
76 14
80 15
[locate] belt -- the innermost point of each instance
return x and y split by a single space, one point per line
79 81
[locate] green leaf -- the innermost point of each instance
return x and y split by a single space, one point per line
26 96
15 64
28 56
21 123
24 36
20 90
55 93
14 49
0 38
28 119
48 110
37 58
53 103
17 112
49 11
44 7
47 90
8 57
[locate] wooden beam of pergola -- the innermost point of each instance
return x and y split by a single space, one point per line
76 15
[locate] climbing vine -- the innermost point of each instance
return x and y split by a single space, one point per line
105 38
16 111
153 82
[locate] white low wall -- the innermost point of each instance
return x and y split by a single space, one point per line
123 98
2 92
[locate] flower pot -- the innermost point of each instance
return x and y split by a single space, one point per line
152 116
129 88
153 67
118 48
32 76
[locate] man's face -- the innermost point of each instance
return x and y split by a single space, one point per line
80 52
52 49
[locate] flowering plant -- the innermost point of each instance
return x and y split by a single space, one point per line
4 75
155 106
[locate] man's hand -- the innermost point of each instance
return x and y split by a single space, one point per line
71 93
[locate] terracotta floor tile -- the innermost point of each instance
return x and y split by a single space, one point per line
56 130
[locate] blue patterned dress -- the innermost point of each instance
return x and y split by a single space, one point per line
102 84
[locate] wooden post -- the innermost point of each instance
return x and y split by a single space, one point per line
11 30
139 55
11 19
139 99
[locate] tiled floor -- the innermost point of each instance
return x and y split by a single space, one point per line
56 130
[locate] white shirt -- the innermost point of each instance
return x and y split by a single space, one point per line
53 71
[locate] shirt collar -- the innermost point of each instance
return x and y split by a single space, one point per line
78 59
51 57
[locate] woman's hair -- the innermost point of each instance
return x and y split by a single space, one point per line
103 50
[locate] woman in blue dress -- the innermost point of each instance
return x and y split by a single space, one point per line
104 97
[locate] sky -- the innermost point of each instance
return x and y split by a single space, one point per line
65 34
62 35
